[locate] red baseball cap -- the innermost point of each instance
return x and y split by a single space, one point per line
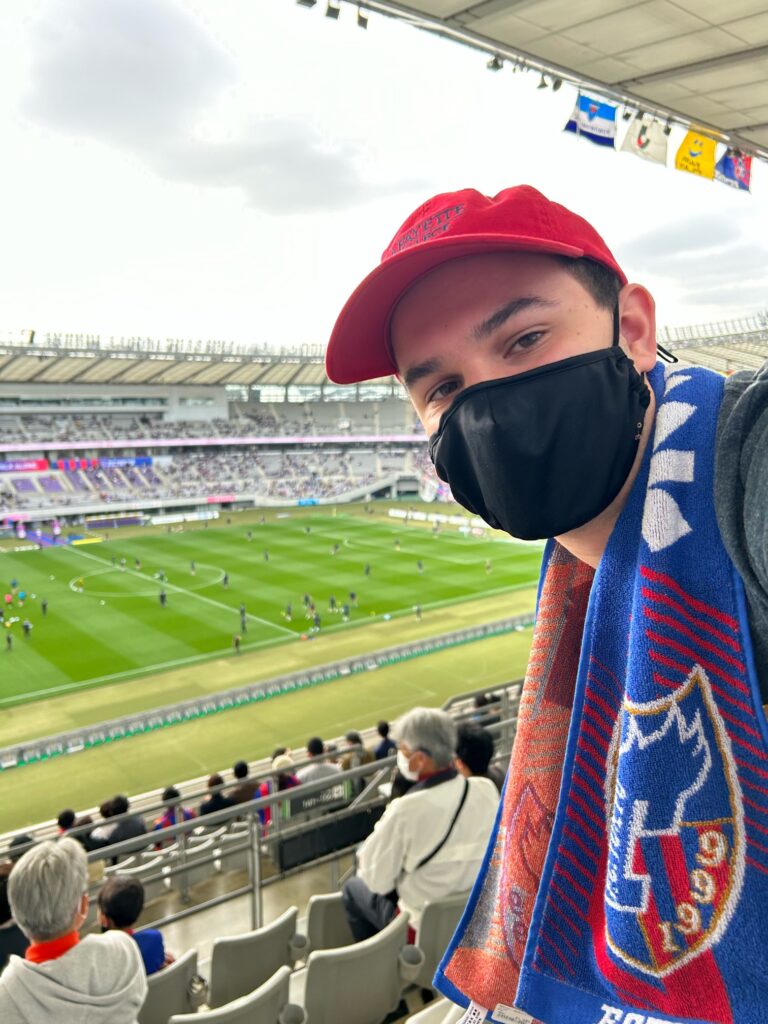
447 227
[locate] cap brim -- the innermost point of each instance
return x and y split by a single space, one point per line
359 347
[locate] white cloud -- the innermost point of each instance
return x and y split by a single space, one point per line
142 75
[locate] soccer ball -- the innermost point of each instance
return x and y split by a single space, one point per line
51 578
102 602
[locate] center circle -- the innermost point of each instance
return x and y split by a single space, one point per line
174 586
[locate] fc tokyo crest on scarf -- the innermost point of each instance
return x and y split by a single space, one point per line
675 831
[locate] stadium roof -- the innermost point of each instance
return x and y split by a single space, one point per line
59 360
694 62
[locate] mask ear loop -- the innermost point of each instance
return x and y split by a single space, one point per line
664 353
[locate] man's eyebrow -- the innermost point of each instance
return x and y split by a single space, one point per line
420 370
495 320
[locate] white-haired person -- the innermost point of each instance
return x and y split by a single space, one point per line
428 844
62 977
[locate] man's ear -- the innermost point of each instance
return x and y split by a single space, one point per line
637 326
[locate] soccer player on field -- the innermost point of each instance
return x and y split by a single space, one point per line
163 597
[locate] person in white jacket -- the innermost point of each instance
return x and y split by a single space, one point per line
62 977
428 844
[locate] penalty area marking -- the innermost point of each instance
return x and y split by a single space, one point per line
183 590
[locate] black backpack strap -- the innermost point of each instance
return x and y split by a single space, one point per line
444 840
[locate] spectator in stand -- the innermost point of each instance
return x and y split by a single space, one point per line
19 845
429 844
101 834
121 902
131 827
319 768
386 747
248 787
64 978
174 813
355 757
217 801
12 938
474 753
282 766
66 821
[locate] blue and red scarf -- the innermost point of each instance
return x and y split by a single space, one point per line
627 878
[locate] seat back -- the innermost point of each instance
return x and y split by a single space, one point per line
168 991
439 921
149 872
327 925
358 984
260 1007
232 852
242 963
198 865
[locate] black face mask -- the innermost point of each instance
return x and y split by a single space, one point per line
543 452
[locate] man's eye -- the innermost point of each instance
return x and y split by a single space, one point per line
526 341
443 391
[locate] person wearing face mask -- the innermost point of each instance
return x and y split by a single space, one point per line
429 843
629 866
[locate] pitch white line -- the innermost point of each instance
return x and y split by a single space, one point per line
183 590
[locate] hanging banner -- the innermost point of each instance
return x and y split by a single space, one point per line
646 139
593 120
696 155
734 169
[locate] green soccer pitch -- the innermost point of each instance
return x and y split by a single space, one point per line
106 646
105 622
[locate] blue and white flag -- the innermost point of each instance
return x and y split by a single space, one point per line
593 120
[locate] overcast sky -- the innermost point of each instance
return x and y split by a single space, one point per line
232 168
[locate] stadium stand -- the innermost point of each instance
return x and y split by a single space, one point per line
234 857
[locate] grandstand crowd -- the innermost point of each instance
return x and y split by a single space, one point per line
444 777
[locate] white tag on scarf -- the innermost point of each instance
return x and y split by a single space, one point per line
474 1015
509 1015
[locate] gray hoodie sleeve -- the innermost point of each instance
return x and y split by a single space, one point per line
741 497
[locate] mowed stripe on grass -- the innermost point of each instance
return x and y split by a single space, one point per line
84 642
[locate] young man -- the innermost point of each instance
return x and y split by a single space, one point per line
629 865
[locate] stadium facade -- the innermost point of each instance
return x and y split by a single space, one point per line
121 430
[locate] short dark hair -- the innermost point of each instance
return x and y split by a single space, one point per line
383 729
354 737
240 769
19 845
601 283
120 804
315 746
171 793
66 819
122 900
474 746
278 751
215 780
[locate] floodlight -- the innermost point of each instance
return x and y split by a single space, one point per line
556 84
627 114
331 11
667 127
362 20
306 3
495 64
543 83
